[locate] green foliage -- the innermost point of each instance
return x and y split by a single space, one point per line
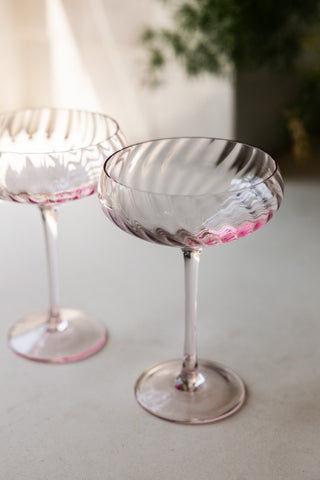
210 36
207 35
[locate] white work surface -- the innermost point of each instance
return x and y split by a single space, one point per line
258 313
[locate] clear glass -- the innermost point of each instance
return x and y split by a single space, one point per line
47 157
190 193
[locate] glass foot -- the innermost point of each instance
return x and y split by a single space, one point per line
78 337
220 395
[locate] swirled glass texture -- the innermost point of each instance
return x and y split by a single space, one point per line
190 192
49 156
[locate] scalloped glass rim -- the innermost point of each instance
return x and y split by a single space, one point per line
57 109
235 142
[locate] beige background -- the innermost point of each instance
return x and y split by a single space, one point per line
87 54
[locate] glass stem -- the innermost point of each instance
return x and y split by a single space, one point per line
190 378
49 217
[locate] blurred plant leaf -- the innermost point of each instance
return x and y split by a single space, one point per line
210 35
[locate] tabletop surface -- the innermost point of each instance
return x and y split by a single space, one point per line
258 314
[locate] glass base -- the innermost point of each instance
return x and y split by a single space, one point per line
77 337
220 395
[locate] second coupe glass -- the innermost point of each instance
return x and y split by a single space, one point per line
190 193
47 157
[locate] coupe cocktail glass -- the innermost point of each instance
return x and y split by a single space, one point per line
47 157
190 193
